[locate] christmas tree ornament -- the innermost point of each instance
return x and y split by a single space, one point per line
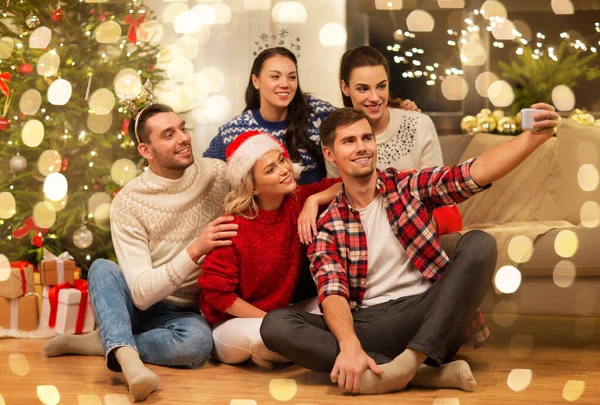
57 14
497 114
507 125
32 20
17 164
25 68
4 123
83 237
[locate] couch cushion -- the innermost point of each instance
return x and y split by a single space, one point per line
515 197
577 145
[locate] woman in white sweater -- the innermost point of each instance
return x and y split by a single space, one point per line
405 139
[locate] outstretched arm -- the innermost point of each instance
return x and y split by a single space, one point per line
502 159
307 220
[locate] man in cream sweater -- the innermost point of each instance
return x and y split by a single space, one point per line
163 223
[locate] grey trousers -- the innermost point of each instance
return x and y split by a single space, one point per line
432 323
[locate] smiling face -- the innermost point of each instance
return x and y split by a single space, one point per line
276 82
169 146
273 177
354 150
369 91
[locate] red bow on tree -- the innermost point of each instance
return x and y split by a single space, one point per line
102 16
28 225
4 77
135 24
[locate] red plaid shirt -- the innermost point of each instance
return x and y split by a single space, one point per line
338 256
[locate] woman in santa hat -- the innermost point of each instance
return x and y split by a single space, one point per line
259 271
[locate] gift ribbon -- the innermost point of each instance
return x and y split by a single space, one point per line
28 225
60 263
4 77
22 265
134 25
80 285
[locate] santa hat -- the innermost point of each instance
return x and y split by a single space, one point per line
246 149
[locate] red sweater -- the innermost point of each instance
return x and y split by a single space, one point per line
263 264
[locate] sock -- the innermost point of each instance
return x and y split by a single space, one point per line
89 344
142 382
456 374
396 374
262 363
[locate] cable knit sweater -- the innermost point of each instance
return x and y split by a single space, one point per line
252 120
263 264
154 220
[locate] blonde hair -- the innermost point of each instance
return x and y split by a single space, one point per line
240 200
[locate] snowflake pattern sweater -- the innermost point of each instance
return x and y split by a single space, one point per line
252 120
263 264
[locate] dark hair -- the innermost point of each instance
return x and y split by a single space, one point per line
298 111
142 119
341 117
360 57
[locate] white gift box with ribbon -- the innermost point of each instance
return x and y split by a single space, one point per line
69 311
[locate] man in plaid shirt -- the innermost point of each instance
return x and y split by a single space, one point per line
404 302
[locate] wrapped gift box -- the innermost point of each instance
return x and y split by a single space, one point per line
19 283
70 310
45 307
57 271
19 313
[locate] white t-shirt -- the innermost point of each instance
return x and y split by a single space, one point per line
390 273
409 142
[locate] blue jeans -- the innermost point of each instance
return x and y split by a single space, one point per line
163 334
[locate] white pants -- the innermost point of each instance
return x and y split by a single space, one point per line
238 339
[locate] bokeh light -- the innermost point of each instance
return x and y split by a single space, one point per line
446 401
257 4
187 22
116 399
501 93
505 313
6 47
484 81
455 87
102 101
289 12
171 11
188 45
18 364
590 214
588 177
333 34
48 394
222 13
520 346
49 161
181 69
168 92
420 21
566 243
4 268
32 133
451 3
40 38
283 389
99 124
198 87
150 31
108 32
96 202
215 77
562 7
564 274
473 54
508 279
563 98
30 102
217 108
56 186
503 29
493 8
520 249
7 205
123 171
519 379
573 390
59 92
128 82
48 64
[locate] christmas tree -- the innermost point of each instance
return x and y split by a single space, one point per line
64 148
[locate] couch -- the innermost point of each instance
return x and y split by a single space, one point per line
552 200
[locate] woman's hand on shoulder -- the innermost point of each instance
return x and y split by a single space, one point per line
307 220
409 105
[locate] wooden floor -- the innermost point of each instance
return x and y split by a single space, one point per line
86 381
